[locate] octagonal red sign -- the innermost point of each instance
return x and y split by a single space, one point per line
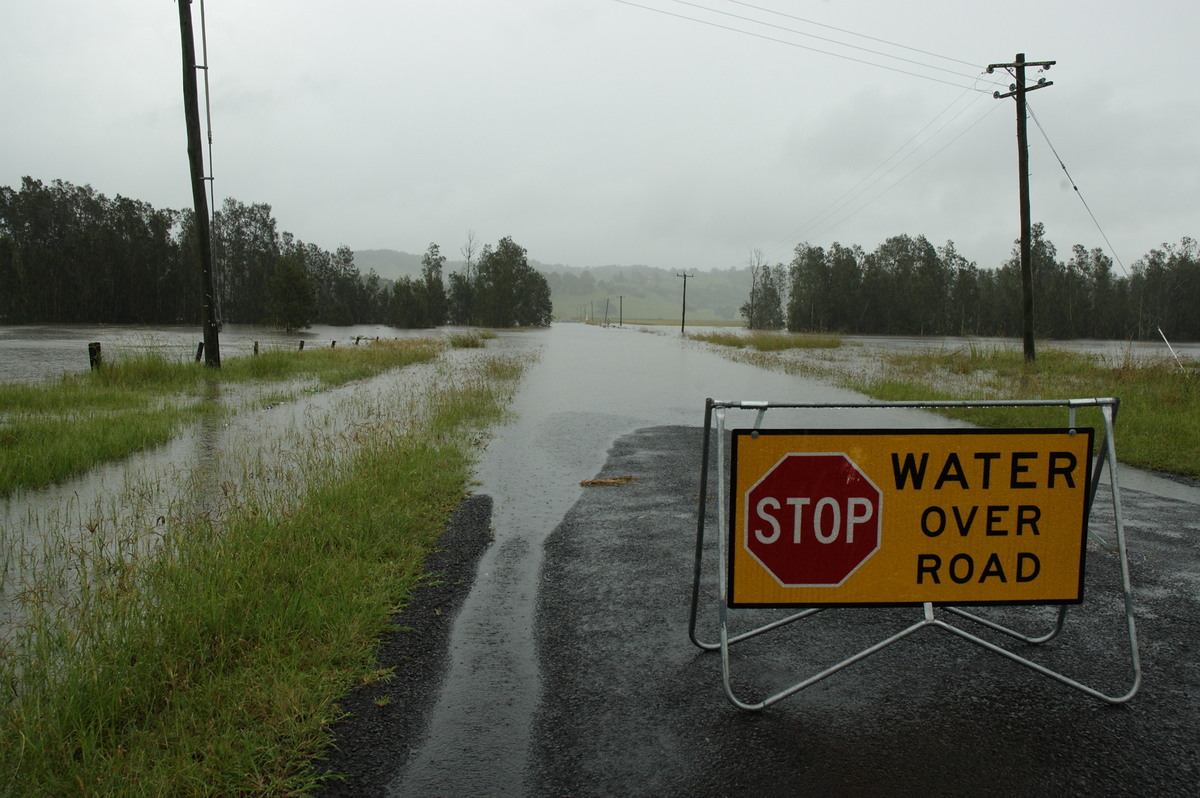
813 519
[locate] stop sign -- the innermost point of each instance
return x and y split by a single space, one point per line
813 519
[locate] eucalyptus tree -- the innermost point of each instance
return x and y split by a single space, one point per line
508 292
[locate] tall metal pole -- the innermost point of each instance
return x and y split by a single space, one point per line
1019 91
191 107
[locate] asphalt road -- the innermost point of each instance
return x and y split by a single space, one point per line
630 707
586 682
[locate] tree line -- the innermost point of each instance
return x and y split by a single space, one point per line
907 286
69 254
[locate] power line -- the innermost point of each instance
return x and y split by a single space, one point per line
907 174
798 45
875 176
820 38
852 33
1078 193
1096 222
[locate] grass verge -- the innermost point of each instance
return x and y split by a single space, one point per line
206 655
1158 426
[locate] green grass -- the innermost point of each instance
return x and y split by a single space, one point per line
207 654
37 450
471 339
51 431
768 341
1158 425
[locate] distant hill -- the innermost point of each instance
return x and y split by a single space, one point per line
649 293
389 264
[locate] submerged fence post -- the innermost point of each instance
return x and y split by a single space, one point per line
199 351
256 347
94 355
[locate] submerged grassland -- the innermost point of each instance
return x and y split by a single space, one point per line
1158 425
202 649
49 431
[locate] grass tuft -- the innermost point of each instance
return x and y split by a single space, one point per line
471 339
768 341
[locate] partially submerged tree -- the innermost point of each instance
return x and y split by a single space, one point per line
290 295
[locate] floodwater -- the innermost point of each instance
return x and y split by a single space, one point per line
589 387
37 352
131 503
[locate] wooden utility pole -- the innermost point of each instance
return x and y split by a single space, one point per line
191 109
683 317
1019 90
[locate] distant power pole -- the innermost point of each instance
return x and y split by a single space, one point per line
1019 90
683 317
621 310
191 108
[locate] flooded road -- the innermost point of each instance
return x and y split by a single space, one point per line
504 721
590 387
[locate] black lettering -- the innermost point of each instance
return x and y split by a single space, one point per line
954 571
1066 470
1019 468
909 469
928 564
964 527
1027 559
987 458
993 568
1028 516
993 519
952 471
940 514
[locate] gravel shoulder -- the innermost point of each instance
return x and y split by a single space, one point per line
384 721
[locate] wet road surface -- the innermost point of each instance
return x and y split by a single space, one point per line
568 669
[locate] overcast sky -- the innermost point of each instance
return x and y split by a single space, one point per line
597 132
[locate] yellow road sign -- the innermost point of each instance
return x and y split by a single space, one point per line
908 516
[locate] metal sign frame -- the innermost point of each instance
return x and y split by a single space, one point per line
716 411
